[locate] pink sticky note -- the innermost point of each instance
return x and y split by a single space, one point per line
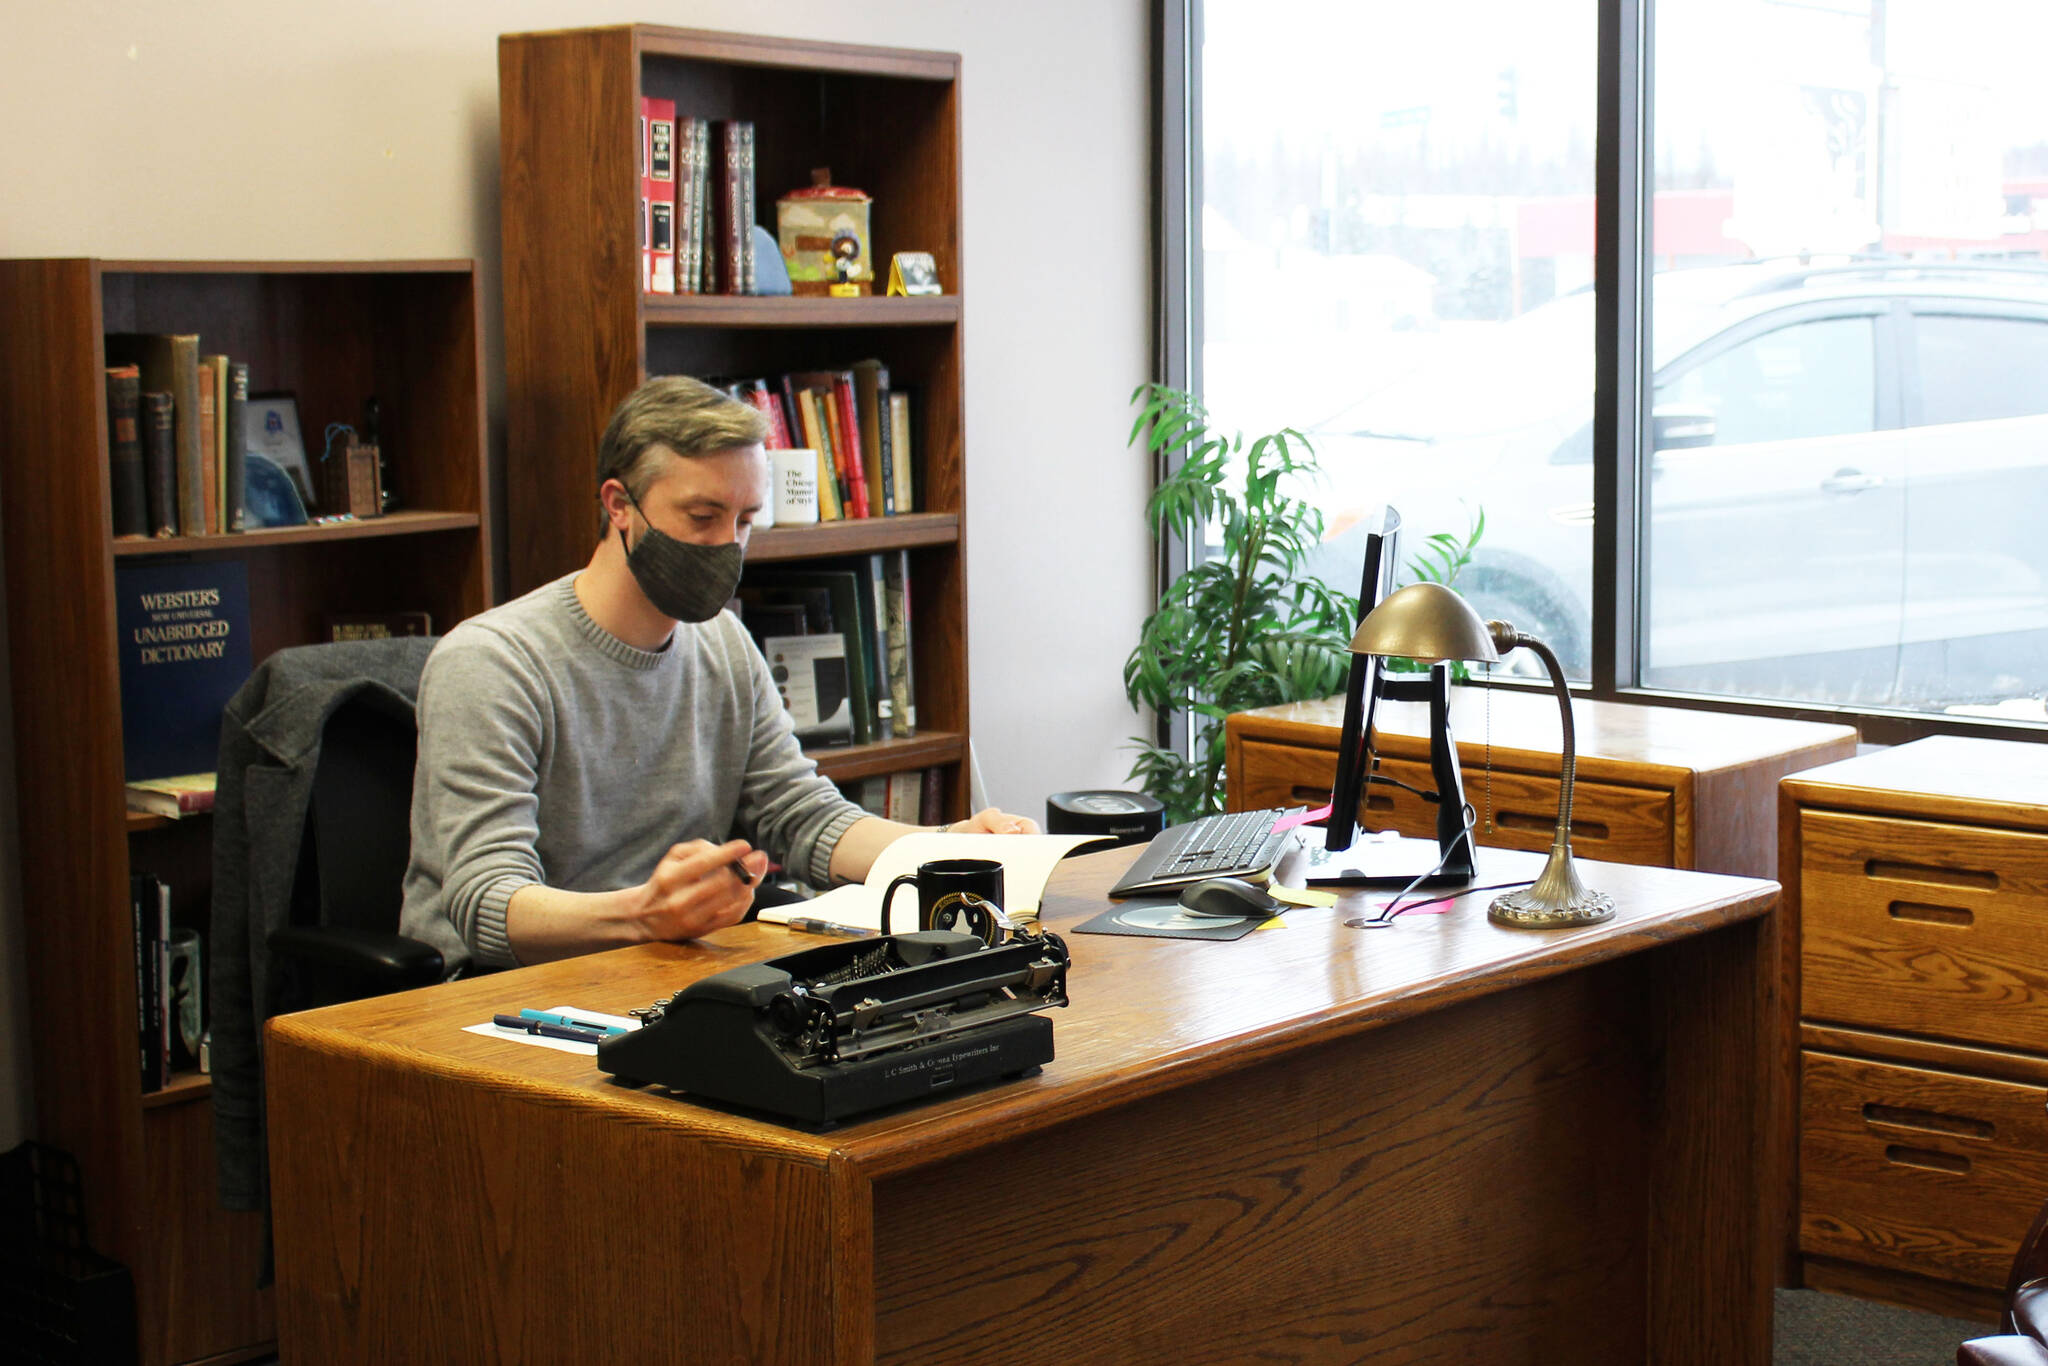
1286 823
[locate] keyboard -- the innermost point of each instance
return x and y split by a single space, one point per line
1235 844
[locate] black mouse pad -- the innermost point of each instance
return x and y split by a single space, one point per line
1151 918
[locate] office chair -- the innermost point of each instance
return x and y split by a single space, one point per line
2025 1339
343 943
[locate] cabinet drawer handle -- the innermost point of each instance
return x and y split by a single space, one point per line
1927 1158
1932 1121
1933 915
1545 823
1920 872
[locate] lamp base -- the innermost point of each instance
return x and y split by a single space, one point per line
1556 900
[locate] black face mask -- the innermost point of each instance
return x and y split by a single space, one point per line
683 580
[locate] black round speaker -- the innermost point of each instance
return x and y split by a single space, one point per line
1127 817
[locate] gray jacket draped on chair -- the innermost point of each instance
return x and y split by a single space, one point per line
269 750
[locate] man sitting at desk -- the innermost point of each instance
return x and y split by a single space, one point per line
585 749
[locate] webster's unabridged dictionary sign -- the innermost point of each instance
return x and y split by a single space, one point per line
184 649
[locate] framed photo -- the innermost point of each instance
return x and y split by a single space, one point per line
271 430
913 272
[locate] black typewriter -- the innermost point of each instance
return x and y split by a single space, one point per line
846 1027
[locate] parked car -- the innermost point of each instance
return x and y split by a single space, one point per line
1845 499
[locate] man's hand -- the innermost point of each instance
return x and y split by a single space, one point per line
696 888
989 821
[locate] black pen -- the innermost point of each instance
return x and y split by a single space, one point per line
573 1033
739 871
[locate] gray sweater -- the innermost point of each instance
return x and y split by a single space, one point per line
553 752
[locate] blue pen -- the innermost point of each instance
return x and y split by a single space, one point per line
549 1017
573 1033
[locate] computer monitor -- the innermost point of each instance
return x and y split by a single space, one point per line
1350 858
1362 690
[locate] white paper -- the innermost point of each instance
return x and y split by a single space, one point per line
1028 861
588 1050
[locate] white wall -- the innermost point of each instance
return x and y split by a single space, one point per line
252 129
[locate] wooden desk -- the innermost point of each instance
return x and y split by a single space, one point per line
1656 785
1440 1140
1917 889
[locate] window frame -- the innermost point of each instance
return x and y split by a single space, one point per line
1623 382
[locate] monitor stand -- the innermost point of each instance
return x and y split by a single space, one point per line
1386 860
1392 860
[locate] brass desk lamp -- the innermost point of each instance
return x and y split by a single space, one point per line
1429 622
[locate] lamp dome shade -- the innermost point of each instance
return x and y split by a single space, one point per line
1425 621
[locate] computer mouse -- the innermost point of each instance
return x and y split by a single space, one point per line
1228 898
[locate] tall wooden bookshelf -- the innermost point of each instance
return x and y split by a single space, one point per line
334 333
580 334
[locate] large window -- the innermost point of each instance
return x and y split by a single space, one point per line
1836 464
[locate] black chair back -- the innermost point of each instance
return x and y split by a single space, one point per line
349 887
359 827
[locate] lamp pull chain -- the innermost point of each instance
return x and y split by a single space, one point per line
1488 824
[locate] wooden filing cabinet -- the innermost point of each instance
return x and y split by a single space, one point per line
1917 881
1656 785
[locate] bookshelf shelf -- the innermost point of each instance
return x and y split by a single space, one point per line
723 310
581 333
408 523
334 333
923 750
185 1087
862 536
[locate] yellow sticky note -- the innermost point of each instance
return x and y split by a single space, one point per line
1278 922
1301 896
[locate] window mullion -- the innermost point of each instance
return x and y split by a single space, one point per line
1621 336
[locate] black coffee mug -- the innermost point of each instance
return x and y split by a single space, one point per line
947 893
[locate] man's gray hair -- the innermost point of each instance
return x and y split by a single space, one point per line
684 415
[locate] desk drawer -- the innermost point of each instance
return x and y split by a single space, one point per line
1610 822
1928 1172
1924 927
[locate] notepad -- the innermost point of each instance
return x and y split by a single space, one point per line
1028 861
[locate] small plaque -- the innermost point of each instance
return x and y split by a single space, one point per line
913 272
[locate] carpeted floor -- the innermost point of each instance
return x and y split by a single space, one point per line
1818 1329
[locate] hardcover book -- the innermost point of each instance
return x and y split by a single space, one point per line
896 597
811 674
183 639
159 464
124 450
378 625
234 480
703 248
170 365
871 393
689 205
217 454
209 441
849 618
658 189
187 794
901 440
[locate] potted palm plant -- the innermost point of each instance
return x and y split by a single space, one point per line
1244 625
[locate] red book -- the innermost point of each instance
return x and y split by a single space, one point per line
185 795
849 423
658 193
755 391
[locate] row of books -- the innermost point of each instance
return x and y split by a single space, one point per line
914 796
171 414
168 992
859 424
696 202
837 640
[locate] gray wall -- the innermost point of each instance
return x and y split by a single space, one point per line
253 129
